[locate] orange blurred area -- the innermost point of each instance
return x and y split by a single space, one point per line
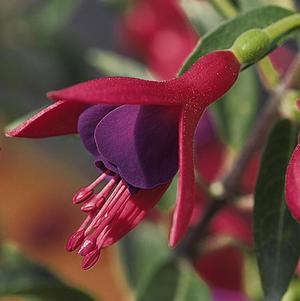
36 212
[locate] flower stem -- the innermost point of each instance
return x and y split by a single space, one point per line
276 30
225 8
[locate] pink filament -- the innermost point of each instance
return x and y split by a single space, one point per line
85 192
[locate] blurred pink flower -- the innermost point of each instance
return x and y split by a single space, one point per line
222 268
226 295
282 58
160 34
292 184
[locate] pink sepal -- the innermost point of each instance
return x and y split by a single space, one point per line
186 183
57 119
119 91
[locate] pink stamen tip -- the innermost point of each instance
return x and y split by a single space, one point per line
100 203
93 203
87 246
85 192
103 209
75 241
88 207
82 195
90 259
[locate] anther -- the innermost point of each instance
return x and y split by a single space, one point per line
90 259
87 246
99 199
75 241
85 192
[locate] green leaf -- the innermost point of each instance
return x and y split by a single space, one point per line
120 5
246 5
168 200
236 111
191 287
54 15
294 292
276 233
113 64
201 14
252 282
18 121
173 282
141 250
225 34
19 276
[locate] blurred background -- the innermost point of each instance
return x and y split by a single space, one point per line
43 46
50 44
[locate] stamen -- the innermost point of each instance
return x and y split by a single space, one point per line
75 241
85 192
98 200
101 222
89 243
77 238
90 259
101 212
94 203
112 210
104 209
128 213
92 241
102 236
109 216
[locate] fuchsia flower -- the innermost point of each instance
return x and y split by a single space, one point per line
282 58
139 132
222 268
292 183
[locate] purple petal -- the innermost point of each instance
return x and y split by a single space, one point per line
87 123
142 141
104 164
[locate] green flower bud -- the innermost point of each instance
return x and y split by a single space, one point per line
251 46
